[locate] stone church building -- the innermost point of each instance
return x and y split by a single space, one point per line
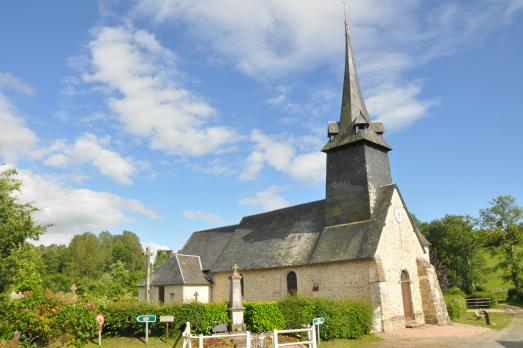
359 242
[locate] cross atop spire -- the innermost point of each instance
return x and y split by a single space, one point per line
355 124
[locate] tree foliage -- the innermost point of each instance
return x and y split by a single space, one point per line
504 221
457 246
16 227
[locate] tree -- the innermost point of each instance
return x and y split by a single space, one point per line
504 220
87 257
161 257
16 223
457 246
128 249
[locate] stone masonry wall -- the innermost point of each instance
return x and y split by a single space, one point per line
398 250
334 280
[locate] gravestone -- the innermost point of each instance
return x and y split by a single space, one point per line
235 300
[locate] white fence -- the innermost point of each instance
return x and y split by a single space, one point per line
245 339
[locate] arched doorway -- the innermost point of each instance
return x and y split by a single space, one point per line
407 296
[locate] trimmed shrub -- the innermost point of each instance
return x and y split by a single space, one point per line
486 294
120 319
456 305
343 318
455 291
515 295
263 316
297 311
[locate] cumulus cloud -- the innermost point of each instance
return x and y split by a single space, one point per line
267 200
91 149
283 156
210 218
398 106
72 211
16 139
270 39
140 75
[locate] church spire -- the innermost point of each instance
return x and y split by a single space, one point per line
355 125
353 109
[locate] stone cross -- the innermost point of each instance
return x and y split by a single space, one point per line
235 267
148 255
196 294
235 300
73 289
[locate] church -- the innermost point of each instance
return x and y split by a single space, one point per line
359 242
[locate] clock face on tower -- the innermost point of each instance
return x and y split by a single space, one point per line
398 214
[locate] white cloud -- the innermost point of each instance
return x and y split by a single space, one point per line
91 149
8 81
72 211
210 218
269 199
283 156
140 74
271 39
398 106
16 139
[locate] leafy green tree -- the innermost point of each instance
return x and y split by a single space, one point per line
128 249
504 220
458 247
161 257
87 257
16 224
24 269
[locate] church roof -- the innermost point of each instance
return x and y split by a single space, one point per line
179 269
290 237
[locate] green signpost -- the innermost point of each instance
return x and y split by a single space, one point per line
317 322
147 318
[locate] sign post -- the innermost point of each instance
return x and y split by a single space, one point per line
101 320
317 322
147 318
166 319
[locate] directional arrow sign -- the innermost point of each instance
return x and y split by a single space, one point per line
148 318
318 321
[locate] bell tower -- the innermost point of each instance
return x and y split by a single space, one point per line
357 154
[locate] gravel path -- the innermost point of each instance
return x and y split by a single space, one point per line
458 335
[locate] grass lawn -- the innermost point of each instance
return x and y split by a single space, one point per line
155 342
364 341
498 320
493 282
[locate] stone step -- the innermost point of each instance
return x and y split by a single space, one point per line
413 324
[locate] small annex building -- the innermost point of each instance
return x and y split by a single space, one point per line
359 242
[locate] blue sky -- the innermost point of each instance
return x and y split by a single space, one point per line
167 116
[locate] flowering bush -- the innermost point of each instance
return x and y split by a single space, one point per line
42 317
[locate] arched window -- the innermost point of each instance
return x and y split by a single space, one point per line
292 283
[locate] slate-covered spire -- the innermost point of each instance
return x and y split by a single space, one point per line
355 124
353 107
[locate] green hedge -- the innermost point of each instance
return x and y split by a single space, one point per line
120 320
263 316
456 305
343 318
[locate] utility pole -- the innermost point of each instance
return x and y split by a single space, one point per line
148 255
